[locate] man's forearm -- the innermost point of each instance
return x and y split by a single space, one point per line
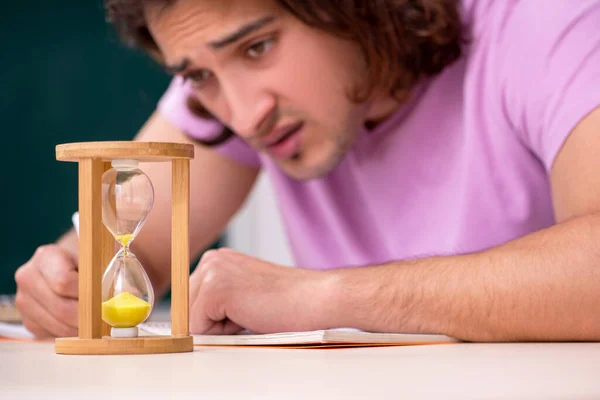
545 286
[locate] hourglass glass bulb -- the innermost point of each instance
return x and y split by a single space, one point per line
127 198
127 295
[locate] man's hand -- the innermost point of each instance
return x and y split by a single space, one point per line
230 291
47 292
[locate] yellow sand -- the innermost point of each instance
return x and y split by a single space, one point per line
125 311
125 239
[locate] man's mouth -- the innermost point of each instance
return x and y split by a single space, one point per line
286 142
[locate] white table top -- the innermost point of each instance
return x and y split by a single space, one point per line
462 371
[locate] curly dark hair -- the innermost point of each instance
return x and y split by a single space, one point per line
403 41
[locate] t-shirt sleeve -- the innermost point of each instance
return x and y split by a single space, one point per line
549 58
173 107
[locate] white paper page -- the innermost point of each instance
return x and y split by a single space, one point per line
14 331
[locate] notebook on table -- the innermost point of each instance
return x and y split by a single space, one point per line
314 339
344 337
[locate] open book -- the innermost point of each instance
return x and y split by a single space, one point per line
322 338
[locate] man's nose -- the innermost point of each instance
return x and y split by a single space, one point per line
250 116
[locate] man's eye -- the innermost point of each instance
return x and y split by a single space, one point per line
260 48
198 78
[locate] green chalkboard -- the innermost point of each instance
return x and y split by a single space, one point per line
64 77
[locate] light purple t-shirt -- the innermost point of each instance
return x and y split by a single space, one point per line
463 167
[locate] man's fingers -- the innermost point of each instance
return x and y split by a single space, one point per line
225 327
60 308
47 293
36 329
59 271
39 322
200 323
64 283
236 257
223 253
207 311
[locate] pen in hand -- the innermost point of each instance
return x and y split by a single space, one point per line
75 219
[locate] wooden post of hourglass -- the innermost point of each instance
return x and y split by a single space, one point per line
108 251
180 258
97 247
90 256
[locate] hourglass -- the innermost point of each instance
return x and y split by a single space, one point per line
115 294
127 294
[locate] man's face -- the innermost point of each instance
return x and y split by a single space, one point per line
279 84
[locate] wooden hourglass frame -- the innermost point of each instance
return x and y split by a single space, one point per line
97 247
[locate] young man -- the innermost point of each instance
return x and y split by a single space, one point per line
427 185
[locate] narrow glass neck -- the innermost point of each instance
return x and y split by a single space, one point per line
125 241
